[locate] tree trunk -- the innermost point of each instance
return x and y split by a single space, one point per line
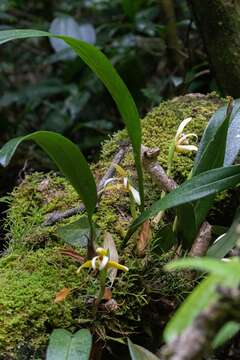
173 42
219 24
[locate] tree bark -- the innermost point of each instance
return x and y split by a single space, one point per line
172 39
219 25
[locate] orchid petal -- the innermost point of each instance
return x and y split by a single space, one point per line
103 263
186 148
125 182
87 264
110 180
93 262
135 194
115 265
184 138
181 127
101 251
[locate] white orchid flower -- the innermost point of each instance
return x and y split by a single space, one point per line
182 144
126 184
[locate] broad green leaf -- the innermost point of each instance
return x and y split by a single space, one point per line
226 333
103 68
66 346
233 143
67 157
204 294
209 136
76 233
221 247
212 157
140 353
200 186
225 269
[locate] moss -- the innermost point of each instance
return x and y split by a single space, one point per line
28 286
29 283
33 270
38 195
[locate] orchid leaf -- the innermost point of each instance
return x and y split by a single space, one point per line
103 68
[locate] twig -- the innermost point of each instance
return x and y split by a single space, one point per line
202 241
57 216
196 339
150 164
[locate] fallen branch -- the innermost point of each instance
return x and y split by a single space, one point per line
151 165
57 216
158 175
196 339
202 241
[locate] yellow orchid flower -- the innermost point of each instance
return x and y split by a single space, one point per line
102 262
182 140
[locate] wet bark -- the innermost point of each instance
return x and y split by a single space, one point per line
219 24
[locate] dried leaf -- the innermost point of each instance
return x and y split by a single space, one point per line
73 254
107 293
145 235
61 295
109 244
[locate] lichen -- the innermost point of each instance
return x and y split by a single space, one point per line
33 270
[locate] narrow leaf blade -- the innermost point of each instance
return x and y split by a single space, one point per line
200 186
204 294
226 333
227 241
218 267
66 156
140 353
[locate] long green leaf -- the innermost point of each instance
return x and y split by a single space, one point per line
214 137
204 294
212 146
66 346
191 307
140 353
186 224
67 157
200 186
233 143
214 152
103 68
218 267
225 334
224 273
227 241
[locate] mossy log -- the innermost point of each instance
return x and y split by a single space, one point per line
33 269
219 25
